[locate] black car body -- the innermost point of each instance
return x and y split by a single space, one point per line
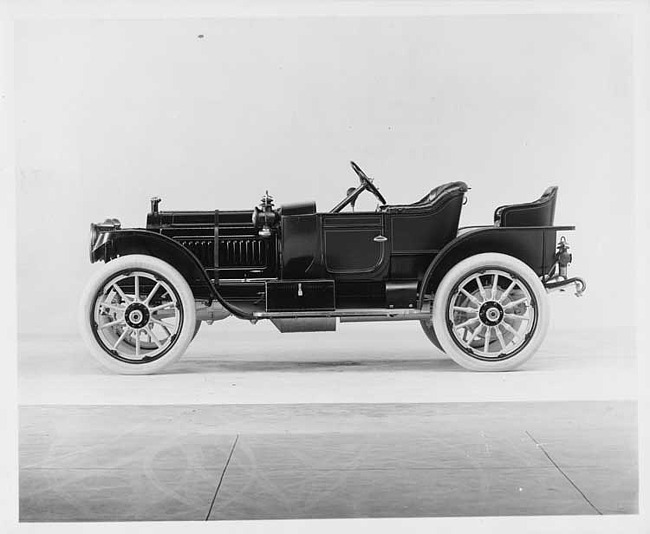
304 269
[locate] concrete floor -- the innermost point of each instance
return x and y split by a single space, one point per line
370 421
121 463
234 362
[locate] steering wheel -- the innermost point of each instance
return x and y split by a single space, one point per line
367 182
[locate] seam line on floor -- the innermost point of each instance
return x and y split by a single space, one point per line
541 447
223 474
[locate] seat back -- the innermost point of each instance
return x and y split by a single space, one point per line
540 212
418 231
433 200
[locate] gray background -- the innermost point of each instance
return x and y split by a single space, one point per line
110 113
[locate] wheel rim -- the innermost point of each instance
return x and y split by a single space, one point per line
137 316
492 314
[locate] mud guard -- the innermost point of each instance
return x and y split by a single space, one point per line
534 245
139 241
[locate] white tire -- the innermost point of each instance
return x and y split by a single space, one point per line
427 328
150 344
490 312
137 315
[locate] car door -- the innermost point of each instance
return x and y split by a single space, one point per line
355 245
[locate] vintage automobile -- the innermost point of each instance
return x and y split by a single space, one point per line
479 293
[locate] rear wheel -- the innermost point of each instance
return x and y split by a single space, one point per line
137 315
427 327
490 313
196 329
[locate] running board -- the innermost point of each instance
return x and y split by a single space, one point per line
351 315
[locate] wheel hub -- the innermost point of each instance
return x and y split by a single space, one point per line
136 315
491 313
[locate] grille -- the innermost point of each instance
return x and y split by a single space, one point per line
242 252
203 249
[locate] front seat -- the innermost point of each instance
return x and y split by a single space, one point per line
421 229
435 196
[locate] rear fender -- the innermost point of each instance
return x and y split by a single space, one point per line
534 245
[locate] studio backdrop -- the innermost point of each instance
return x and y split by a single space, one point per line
209 114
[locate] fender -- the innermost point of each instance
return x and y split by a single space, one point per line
534 245
116 243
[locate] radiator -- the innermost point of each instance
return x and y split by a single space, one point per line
243 252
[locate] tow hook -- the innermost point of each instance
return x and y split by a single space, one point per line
560 285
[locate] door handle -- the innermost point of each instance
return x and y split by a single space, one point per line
380 238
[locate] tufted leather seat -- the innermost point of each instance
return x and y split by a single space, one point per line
436 196
419 230
540 212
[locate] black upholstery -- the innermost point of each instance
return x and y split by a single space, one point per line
435 197
419 230
540 212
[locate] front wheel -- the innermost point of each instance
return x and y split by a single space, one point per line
137 315
490 313
130 337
